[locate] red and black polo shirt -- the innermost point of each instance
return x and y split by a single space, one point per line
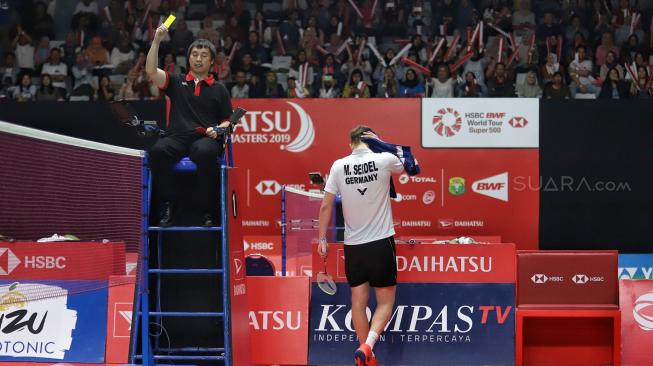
195 104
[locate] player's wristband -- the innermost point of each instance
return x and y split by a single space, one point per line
323 241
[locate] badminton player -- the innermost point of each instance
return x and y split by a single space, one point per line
363 181
197 100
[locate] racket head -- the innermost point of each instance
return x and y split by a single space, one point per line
326 284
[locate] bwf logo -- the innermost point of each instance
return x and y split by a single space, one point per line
268 187
8 261
495 186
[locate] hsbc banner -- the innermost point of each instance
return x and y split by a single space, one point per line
68 326
432 324
460 192
636 301
480 123
635 267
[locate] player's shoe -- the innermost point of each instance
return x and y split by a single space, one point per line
363 356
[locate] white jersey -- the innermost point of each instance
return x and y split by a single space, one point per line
363 181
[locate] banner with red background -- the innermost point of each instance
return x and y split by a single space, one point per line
280 141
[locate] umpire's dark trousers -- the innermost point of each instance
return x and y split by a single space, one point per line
202 150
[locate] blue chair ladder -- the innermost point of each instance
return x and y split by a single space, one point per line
151 353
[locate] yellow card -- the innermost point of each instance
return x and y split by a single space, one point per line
170 20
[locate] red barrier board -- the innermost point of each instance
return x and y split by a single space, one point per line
447 263
240 344
459 192
636 300
119 319
279 329
62 261
567 278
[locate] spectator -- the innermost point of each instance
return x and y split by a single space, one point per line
641 88
614 87
548 28
610 63
411 86
132 88
329 87
298 60
95 53
356 87
523 20
56 70
580 71
169 64
272 87
380 69
607 45
25 91
70 49
233 30
82 78
528 58
388 87
557 88
86 6
309 42
290 5
621 14
47 92
466 14
263 29
443 85
208 32
570 49
105 91
500 84
289 31
329 67
122 56
42 23
240 89
575 27
182 37
259 53
296 90
41 53
256 87
471 88
529 88
222 67
24 51
419 19
551 67
630 48
249 68
313 25
477 66
419 49
445 14
9 71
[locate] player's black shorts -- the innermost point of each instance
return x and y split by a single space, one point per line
374 262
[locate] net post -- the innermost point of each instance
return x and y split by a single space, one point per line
283 230
224 232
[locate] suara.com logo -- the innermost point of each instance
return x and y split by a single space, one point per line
447 122
457 186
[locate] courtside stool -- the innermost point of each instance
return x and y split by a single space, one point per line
567 309
151 352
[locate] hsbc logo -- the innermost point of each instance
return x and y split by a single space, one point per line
518 122
644 320
580 279
258 245
539 278
268 187
495 186
8 261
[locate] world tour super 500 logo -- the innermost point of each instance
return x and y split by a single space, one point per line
291 128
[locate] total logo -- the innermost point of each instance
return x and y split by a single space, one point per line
581 279
447 122
518 122
495 186
539 278
268 187
405 197
405 178
644 319
275 127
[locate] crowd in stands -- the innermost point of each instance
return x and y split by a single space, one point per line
556 49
